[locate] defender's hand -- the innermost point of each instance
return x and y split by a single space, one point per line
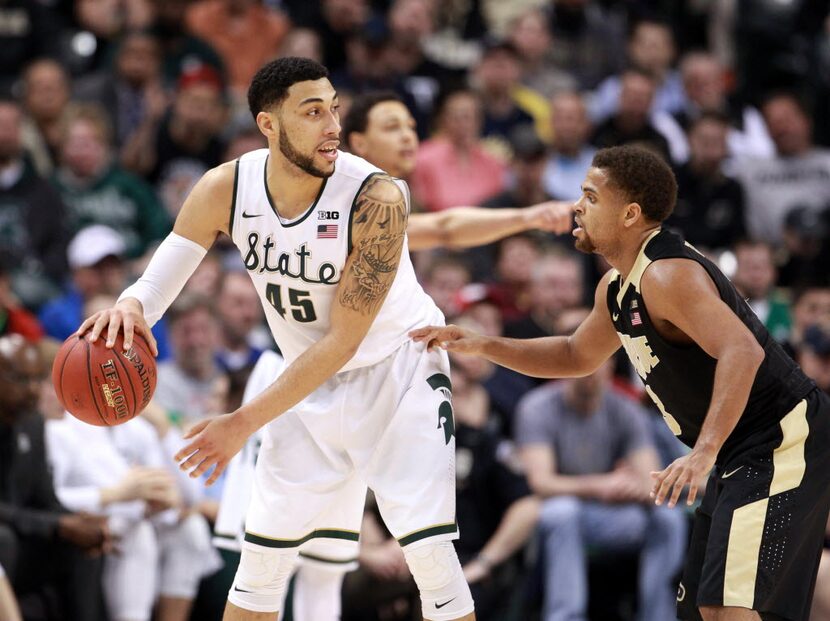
128 316
553 216
451 337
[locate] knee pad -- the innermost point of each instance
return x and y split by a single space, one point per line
445 594
262 577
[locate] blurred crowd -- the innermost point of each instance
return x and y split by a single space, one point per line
110 110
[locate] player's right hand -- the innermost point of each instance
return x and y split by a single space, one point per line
127 315
451 338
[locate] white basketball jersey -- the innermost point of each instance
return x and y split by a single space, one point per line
296 265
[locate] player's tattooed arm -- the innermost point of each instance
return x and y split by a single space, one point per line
377 234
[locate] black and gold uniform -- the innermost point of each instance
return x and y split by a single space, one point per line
758 534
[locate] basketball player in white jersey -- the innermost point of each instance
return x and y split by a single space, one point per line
322 235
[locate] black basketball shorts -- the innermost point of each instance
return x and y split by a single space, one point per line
759 532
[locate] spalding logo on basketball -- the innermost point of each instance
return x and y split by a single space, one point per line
103 386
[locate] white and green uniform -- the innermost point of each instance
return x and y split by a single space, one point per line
385 420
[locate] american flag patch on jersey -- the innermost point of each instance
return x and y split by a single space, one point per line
635 318
326 231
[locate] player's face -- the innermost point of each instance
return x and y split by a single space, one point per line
308 124
390 141
597 213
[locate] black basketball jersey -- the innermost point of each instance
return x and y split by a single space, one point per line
680 378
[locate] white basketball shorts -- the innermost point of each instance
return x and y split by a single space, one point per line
389 427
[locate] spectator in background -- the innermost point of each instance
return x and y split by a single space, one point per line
98 191
40 542
239 313
443 280
302 42
503 388
181 50
507 104
650 50
797 176
588 453
336 21
33 223
526 168
32 31
530 35
557 284
419 80
755 277
710 206
704 82
807 246
123 473
131 90
452 168
631 123
188 383
810 307
173 152
515 259
243 141
46 92
814 355
497 514
246 33
590 40
96 260
571 155
14 318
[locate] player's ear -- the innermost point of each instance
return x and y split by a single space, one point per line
268 124
632 213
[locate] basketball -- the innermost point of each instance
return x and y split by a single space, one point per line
102 386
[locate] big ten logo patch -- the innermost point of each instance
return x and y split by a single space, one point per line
442 384
328 215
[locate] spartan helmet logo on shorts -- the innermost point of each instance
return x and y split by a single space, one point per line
442 383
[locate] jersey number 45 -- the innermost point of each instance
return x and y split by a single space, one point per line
302 308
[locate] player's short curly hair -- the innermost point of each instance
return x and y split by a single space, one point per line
271 83
642 176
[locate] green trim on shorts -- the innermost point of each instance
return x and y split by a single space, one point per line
329 533
332 561
429 531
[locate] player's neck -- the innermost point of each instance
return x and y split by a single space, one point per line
292 190
625 256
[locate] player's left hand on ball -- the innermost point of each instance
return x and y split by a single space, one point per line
213 444
553 216
689 470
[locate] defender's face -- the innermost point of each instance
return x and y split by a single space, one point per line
597 213
390 141
309 126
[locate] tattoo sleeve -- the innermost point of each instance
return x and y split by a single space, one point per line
378 228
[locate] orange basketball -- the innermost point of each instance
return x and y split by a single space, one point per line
102 386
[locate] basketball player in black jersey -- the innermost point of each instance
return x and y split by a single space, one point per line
724 387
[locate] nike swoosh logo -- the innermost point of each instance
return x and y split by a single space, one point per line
615 316
236 588
729 474
245 214
437 606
